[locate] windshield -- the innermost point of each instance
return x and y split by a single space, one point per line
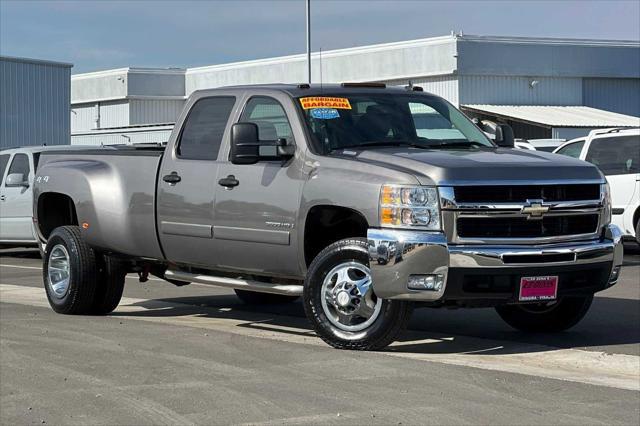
376 120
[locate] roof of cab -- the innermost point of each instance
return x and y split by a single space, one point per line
303 89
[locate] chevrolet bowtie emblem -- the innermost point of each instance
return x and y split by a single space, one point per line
534 209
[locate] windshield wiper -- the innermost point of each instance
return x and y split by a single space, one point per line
391 143
460 144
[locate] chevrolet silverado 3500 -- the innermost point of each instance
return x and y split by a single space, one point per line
366 201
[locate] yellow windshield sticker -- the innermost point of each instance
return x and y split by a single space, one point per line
325 102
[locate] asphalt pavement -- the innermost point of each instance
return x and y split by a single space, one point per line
197 355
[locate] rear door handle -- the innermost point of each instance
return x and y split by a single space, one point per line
172 178
229 182
2 198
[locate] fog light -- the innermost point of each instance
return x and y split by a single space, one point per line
426 282
614 275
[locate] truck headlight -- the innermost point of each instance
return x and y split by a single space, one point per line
606 201
406 206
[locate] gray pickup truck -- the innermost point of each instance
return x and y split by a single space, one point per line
367 201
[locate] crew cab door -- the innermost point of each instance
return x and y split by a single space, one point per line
16 201
187 181
255 223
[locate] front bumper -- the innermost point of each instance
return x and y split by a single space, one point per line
487 273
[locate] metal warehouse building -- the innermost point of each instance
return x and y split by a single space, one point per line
543 87
34 102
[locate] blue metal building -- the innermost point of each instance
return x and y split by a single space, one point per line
34 102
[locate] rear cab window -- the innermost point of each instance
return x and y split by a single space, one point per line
204 128
618 155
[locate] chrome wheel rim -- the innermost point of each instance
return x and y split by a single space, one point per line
347 297
58 271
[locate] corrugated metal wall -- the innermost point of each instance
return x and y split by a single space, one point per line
613 94
83 117
34 103
442 85
501 90
114 114
154 111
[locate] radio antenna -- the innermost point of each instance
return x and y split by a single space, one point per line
321 68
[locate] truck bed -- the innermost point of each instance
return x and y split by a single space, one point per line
114 190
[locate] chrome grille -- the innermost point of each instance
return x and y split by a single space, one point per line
515 214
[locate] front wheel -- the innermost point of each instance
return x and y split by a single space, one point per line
546 317
340 302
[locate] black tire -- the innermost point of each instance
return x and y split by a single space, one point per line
391 321
257 298
79 297
536 318
111 278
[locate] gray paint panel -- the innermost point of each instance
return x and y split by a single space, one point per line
251 235
186 229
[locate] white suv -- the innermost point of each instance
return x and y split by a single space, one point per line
617 153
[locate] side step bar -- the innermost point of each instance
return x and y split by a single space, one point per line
284 289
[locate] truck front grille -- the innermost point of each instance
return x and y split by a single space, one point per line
505 194
521 214
521 227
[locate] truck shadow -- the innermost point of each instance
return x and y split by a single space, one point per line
610 322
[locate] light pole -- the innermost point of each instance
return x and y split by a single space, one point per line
309 40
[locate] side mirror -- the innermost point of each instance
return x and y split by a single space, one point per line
16 179
502 134
247 148
245 144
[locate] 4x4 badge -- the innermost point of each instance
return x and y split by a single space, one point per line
534 209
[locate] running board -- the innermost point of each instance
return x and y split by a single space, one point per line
284 289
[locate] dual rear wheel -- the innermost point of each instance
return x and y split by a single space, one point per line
78 280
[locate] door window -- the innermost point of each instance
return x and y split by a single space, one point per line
202 133
4 160
269 116
572 150
20 164
616 155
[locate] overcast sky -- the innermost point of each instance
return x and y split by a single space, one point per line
95 35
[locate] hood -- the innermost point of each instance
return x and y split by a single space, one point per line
467 167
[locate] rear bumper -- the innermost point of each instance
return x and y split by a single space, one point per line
487 274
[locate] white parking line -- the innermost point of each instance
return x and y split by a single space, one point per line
595 368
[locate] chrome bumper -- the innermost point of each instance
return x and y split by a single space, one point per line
395 255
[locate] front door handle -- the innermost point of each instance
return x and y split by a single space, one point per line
172 178
2 198
229 182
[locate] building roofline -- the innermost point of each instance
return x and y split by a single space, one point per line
36 61
128 70
551 40
325 54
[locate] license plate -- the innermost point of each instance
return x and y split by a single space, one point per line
538 288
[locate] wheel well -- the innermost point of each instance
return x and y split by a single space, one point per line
327 224
55 210
636 217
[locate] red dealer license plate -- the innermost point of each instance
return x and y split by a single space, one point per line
538 288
